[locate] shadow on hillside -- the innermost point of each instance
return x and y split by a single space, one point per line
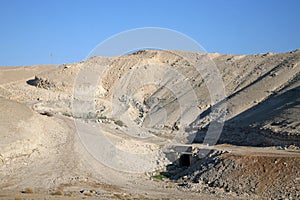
243 130
246 128
31 82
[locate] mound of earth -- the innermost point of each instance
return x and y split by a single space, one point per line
269 173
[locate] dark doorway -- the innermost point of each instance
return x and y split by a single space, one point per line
185 160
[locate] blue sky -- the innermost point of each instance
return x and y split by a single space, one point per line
33 30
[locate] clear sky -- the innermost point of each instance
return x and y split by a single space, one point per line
33 30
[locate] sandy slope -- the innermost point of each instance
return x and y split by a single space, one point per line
159 97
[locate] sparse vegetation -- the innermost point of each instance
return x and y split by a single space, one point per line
90 115
159 177
101 117
48 114
256 156
28 191
67 114
119 123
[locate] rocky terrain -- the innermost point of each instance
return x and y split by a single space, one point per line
111 127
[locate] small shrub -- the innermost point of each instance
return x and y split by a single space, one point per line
119 123
48 114
67 114
90 115
159 177
27 190
102 117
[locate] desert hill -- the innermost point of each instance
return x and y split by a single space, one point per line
143 102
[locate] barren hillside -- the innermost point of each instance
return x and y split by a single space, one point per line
136 106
